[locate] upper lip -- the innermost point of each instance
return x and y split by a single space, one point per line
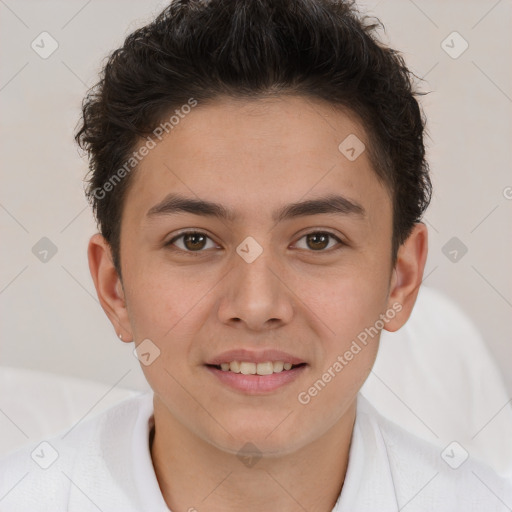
255 356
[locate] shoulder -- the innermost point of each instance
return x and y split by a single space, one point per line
42 475
424 475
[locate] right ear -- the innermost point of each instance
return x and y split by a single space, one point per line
408 275
109 286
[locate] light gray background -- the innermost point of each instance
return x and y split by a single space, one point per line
50 317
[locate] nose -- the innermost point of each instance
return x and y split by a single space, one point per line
256 295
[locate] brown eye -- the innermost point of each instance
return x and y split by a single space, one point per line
319 241
194 241
191 241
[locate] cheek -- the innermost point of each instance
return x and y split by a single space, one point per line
160 300
348 311
168 308
346 300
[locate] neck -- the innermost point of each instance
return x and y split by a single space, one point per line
194 475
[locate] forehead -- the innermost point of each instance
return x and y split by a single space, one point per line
254 153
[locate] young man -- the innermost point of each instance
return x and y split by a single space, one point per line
258 176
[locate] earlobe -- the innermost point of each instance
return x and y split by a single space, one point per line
407 275
108 285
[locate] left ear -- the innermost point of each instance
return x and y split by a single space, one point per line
109 286
407 276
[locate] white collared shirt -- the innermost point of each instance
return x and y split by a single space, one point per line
104 463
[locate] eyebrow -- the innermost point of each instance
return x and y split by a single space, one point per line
336 204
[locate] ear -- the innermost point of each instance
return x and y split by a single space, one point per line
407 276
109 286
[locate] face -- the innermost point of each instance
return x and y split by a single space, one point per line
291 266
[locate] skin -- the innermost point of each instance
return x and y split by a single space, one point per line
254 157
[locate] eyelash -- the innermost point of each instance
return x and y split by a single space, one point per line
199 253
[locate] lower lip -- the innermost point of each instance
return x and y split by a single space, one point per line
257 384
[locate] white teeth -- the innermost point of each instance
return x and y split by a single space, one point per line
246 368
278 366
265 368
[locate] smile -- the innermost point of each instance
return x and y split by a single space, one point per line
248 380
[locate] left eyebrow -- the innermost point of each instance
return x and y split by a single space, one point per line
175 203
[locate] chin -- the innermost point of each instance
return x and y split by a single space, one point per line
264 439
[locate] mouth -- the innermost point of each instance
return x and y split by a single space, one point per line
256 372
